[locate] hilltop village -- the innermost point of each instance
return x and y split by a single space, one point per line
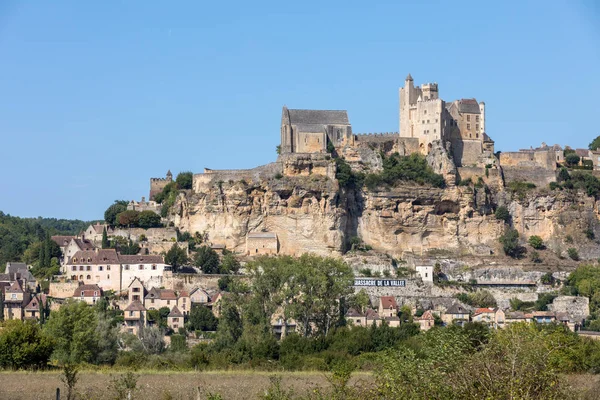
435 224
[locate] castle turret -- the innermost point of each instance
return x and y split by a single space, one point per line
482 116
407 97
169 176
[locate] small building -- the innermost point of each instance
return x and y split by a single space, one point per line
168 298
15 298
152 299
175 319
95 267
426 321
355 318
20 271
456 314
147 268
516 316
184 302
261 243
392 322
94 232
199 296
135 291
36 306
425 272
485 315
134 317
372 317
90 293
543 317
388 307
74 246
215 304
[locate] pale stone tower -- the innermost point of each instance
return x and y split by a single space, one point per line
407 97
482 111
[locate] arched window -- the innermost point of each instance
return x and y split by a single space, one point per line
88 277
80 277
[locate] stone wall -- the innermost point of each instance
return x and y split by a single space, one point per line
408 145
576 307
62 290
541 177
492 177
152 234
529 159
466 152
225 175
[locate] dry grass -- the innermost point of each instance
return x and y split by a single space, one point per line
164 385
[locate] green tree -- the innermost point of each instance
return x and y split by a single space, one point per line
207 260
536 242
176 257
73 327
594 144
128 218
229 265
502 214
573 254
107 334
148 219
572 159
563 175
201 319
23 345
105 242
184 180
110 215
510 243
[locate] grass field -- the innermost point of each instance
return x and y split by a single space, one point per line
231 385
164 385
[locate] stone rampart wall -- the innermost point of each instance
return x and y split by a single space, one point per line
375 137
541 177
492 177
545 159
210 177
152 234
62 290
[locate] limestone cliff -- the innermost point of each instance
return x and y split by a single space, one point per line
300 200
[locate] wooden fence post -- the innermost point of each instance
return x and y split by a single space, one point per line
57 393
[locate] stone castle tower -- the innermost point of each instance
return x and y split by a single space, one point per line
158 184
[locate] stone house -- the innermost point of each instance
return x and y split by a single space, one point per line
372 317
94 232
183 302
516 316
32 309
136 291
425 272
199 296
62 241
152 299
261 243
543 317
356 317
175 319
456 314
134 317
388 307
147 268
15 298
89 293
426 321
145 206
485 315
215 304
19 271
74 246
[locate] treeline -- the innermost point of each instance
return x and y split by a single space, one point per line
17 235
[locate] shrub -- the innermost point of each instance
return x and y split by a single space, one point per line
535 257
572 159
465 182
184 180
589 233
510 244
547 279
563 175
502 214
573 254
536 242
569 239
278 176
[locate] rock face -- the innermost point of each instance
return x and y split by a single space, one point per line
300 201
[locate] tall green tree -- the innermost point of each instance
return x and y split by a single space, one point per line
110 215
148 219
207 260
176 257
105 242
184 180
74 328
23 345
595 144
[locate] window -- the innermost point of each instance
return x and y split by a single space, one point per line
131 313
88 277
88 267
436 120
175 319
81 267
152 301
136 297
107 276
477 135
95 294
127 268
427 121
141 267
425 112
108 267
74 259
168 302
476 127
89 259
468 118
73 268
434 131
13 296
425 274
136 289
423 121
100 268
154 267
184 299
82 293
477 118
468 126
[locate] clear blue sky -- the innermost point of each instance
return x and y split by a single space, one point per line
96 97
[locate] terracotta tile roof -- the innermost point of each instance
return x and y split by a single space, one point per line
154 293
168 294
484 311
62 241
88 291
175 313
140 259
372 314
98 256
34 304
15 287
184 293
427 316
353 313
135 306
388 302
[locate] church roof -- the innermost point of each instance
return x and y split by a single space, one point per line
318 117
409 77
